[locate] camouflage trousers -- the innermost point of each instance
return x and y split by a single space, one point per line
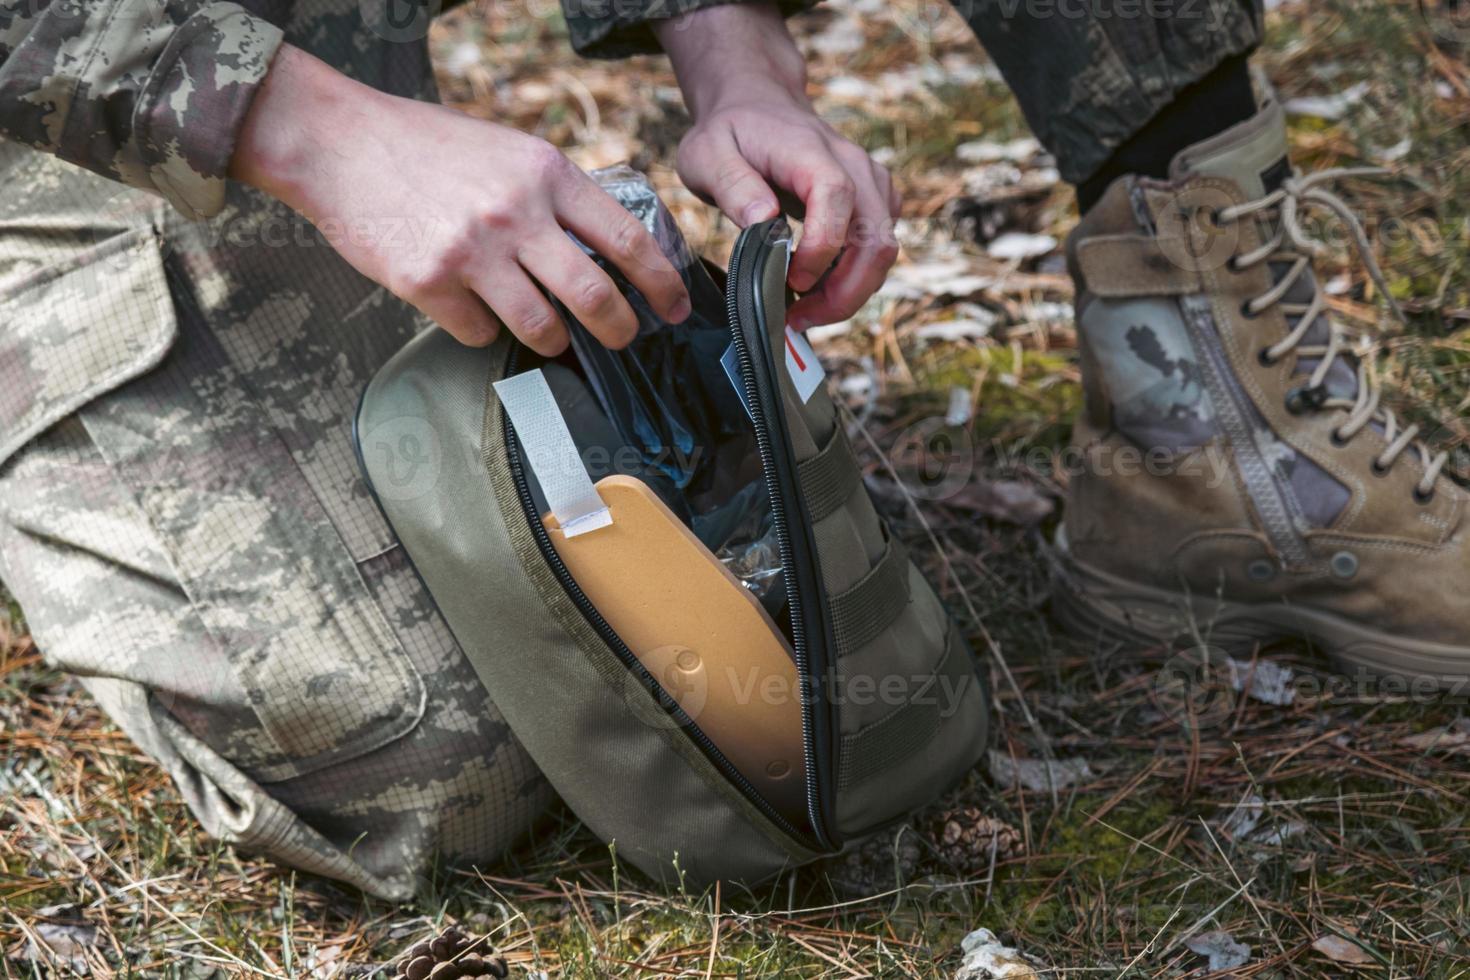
417 764
195 543
1089 73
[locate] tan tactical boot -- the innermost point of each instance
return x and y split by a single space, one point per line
1239 480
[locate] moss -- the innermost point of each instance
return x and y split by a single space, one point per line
1022 402
1052 895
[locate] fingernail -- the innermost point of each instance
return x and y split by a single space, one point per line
681 310
756 212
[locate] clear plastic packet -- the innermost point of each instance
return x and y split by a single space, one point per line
679 424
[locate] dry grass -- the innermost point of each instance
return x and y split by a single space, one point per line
1328 834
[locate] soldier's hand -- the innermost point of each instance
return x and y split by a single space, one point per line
460 217
756 139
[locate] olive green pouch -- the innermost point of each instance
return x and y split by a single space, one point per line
894 710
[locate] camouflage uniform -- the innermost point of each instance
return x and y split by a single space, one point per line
1086 73
181 514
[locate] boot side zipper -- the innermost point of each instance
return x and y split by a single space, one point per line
1280 514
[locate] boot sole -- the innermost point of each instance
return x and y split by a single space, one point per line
1094 604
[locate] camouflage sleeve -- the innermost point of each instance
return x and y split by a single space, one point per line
618 28
151 94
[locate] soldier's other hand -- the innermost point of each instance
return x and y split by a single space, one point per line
756 140
463 218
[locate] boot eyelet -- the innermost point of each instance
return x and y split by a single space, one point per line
1233 264
1247 312
1378 469
1423 499
1261 570
1344 564
1263 356
1216 217
1301 400
1338 439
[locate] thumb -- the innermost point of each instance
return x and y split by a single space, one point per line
712 166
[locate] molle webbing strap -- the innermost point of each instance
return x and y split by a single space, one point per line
901 735
873 602
829 478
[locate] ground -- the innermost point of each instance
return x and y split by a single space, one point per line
1322 829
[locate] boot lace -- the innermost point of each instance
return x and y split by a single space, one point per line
1290 242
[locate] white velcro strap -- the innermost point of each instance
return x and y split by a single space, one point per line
547 446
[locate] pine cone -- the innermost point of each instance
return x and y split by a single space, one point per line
878 863
964 836
451 955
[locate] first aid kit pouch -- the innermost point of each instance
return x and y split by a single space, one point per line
664 565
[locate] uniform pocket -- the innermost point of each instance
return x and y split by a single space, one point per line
76 329
298 668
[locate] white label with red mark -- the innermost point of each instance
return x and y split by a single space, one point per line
802 364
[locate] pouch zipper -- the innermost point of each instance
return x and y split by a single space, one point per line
811 633
620 649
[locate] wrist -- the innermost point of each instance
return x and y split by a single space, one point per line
303 112
731 52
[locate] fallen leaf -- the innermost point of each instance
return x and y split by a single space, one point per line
1020 245
1276 836
1221 948
1032 773
934 277
1445 738
1243 817
1341 950
64 941
990 151
1270 683
961 328
1013 501
986 959
1328 107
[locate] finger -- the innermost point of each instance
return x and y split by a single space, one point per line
857 275
713 167
589 293
859 271
463 315
617 236
889 189
829 195
514 298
